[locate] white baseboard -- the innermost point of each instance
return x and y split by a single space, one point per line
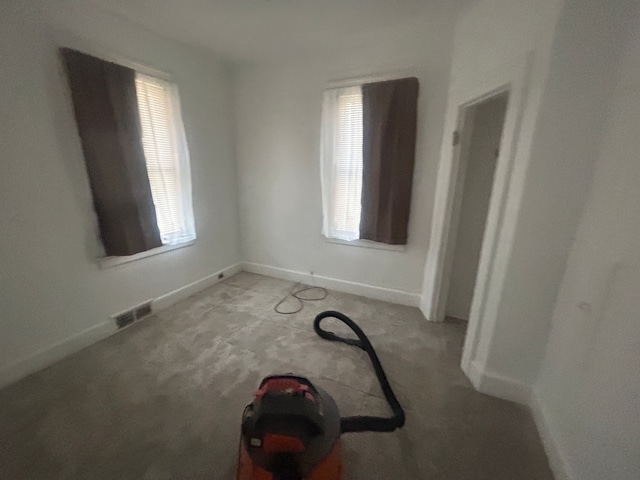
515 391
498 385
50 355
550 440
362 289
474 372
182 293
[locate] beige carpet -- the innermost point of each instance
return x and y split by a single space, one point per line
163 398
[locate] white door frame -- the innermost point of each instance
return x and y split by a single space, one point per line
464 94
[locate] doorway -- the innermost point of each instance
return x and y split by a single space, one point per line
479 142
466 94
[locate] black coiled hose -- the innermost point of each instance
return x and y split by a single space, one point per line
364 423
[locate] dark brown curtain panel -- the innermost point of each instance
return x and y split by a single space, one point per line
106 111
389 111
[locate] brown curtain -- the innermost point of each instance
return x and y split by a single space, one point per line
389 111
106 111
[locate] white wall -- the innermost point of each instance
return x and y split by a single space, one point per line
586 399
506 44
562 154
488 120
589 387
571 50
51 287
278 120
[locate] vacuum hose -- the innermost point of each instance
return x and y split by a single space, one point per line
364 423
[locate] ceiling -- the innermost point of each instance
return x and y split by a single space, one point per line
255 30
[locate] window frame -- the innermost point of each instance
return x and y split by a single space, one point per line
362 243
108 262
74 43
346 83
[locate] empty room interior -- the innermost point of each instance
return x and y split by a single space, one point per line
295 239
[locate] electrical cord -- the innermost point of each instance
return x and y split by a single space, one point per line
295 293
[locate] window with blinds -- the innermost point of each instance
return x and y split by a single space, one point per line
167 158
342 162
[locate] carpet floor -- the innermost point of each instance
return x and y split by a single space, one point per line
163 398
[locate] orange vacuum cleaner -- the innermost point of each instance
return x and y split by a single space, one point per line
291 430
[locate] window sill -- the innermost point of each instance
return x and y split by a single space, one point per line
366 244
108 262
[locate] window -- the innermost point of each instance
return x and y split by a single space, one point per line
367 156
135 154
167 158
342 162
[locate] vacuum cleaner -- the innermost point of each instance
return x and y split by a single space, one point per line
291 430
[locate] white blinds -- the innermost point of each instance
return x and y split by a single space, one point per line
166 157
342 162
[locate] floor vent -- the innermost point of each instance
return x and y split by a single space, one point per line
143 310
126 318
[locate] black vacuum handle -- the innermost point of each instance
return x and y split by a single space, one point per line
364 423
